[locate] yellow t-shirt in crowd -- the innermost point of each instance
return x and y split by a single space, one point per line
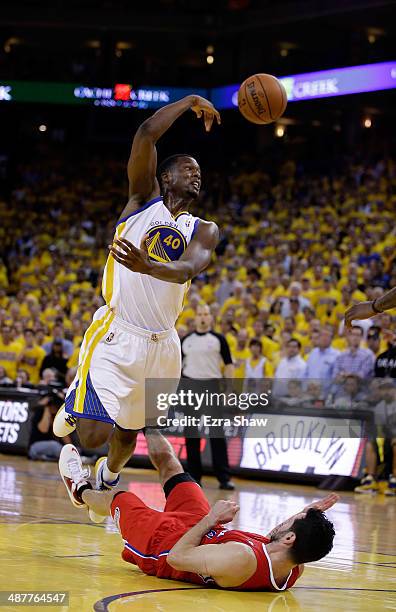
34 357
239 357
9 354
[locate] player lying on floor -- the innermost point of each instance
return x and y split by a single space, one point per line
187 541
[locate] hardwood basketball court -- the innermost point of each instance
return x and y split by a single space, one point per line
46 544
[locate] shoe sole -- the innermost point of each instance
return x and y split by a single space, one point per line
366 492
65 450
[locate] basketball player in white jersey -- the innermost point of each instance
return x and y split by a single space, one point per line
159 246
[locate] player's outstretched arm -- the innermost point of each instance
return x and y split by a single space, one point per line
229 564
365 310
322 504
196 257
142 164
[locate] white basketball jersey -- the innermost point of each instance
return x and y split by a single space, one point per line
139 298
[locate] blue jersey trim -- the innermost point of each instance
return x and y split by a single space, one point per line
195 228
144 207
144 556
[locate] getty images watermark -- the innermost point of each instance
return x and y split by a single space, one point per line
211 400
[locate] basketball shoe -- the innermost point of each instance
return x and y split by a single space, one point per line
64 423
73 474
391 488
368 485
101 485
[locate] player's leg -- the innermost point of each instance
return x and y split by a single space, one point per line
122 446
182 492
162 455
194 463
221 467
369 484
391 488
93 434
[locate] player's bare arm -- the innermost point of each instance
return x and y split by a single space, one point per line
196 257
142 164
365 310
322 505
229 564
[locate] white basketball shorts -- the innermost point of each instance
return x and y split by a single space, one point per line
115 359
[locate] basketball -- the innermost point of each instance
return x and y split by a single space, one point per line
262 99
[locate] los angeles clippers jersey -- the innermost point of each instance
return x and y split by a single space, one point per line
262 579
140 299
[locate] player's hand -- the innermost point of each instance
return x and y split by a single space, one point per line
323 504
136 260
363 310
203 107
222 512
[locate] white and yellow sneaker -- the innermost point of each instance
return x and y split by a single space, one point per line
391 488
64 423
368 485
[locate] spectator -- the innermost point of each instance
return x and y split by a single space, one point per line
240 353
58 336
43 445
48 377
355 360
291 366
55 359
4 379
22 378
256 367
351 395
31 356
296 298
227 286
321 360
385 364
10 350
373 339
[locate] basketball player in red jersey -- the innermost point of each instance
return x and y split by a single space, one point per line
187 541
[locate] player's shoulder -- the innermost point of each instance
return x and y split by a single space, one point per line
206 231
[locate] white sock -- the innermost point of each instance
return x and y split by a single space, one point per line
109 476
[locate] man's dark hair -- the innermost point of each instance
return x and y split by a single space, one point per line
168 163
255 342
294 341
29 329
314 537
359 328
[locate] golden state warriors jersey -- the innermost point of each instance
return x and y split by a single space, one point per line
140 299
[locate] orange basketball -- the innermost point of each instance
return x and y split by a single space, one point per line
262 99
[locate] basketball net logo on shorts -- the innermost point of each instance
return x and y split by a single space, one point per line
165 244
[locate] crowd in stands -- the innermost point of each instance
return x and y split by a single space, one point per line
295 252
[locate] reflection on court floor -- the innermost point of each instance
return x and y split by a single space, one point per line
46 544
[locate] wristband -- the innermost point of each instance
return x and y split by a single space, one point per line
373 306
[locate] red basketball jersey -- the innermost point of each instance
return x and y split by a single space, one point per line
262 579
